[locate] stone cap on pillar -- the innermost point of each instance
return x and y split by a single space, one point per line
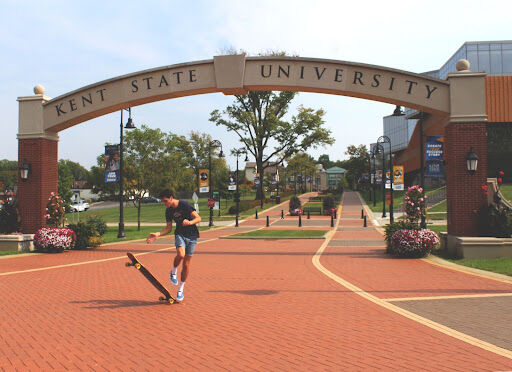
467 94
30 119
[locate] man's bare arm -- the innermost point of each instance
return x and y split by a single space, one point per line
152 236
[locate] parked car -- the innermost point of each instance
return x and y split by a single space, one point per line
150 199
80 207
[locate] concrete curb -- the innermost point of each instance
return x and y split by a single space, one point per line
271 238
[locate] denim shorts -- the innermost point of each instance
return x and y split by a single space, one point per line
189 244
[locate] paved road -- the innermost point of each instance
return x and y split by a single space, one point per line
339 304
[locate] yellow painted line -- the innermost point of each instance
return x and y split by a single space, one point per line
427 322
91 262
481 295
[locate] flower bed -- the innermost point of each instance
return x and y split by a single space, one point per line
413 243
54 239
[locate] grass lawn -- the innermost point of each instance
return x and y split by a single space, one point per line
506 191
496 265
282 234
398 199
156 212
132 233
441 207
7 253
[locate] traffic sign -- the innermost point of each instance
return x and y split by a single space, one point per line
211 203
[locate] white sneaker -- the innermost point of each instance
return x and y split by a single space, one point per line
174 278
180 296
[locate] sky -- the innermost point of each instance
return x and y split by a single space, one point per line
65 45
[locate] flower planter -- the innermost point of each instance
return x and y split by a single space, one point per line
17 243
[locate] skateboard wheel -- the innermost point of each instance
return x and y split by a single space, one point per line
137 265
171 301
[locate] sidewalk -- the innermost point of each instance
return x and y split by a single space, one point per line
338 304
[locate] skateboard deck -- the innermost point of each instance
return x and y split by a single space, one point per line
151 278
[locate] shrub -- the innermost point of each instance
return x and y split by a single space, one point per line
10 219
89 232
295 205
414 204
391 228
329 203
55 209
54 240
496 220
413 243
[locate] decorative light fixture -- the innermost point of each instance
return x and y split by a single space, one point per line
398 111
25 170
471 162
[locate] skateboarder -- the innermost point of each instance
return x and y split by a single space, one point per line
185 235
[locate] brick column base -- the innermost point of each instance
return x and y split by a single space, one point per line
33 194
464 194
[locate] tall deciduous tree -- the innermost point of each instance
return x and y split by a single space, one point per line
301 164
258 120
8 174
357 163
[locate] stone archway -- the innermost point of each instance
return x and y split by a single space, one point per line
458 101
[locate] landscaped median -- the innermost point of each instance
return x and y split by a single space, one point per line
279 234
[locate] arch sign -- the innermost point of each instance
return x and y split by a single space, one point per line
237 74
458 101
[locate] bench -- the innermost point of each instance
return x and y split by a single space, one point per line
315 198
313 210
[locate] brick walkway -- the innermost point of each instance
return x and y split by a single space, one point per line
249 305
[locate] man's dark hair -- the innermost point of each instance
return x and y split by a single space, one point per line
166 194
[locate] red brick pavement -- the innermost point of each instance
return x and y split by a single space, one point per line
250 305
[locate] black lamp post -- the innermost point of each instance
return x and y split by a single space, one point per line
129 125
385 139
423 223
212 144
370 183
374 151
471 162
238 152
379 148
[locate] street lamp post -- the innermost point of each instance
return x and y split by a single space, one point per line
238 152
129 125
379 147
374 177
213 143
386 139
422 168
370 174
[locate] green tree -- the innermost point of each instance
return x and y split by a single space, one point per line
8 174
65 178
325 161
79 172
258 120
356 165
301 164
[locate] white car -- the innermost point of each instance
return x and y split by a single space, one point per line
79 207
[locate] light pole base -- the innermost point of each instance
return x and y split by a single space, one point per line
120 233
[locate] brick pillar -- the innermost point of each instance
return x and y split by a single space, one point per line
464 191
33 194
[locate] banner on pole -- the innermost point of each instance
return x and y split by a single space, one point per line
112 163
434 148
398 177
204 180
231 181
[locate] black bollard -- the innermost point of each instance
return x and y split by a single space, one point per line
332 220
300 220
268 221
364 224
256 214
236 221
282 214
362 213
335 214
309 216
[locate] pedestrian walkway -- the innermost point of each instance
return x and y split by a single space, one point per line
338 304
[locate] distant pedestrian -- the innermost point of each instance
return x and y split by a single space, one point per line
185 235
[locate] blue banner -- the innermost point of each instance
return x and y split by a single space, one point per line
112 163
434 147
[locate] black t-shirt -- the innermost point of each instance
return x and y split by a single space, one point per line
182 212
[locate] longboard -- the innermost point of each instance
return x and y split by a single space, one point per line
151 278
